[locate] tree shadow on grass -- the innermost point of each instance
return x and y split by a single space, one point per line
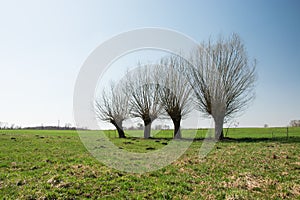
291 139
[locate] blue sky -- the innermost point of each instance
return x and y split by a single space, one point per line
44 43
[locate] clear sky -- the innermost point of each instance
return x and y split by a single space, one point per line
44 43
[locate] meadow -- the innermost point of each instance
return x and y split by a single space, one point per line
253 163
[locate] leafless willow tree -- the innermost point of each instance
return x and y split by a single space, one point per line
223 79
144 95
113 107
175 90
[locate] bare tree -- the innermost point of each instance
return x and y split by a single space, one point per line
144 95
113 108
223 79
175 90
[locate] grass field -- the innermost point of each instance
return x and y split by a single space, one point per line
258 163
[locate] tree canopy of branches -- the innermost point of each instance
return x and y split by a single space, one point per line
175 90
113 107
144 96
222 78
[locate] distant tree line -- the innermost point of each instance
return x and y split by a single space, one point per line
295 123
218 80
51 128
7 126
140 126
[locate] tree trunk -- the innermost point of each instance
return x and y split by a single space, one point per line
121 132
219 135
119 128
147 129
177 131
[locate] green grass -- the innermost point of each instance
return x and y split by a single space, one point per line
256 164
276 132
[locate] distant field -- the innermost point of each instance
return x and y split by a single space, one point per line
259 163
232 133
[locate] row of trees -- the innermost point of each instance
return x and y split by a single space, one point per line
5 125
217 80
295 123
147 93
